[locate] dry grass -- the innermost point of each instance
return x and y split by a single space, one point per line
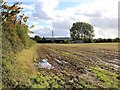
26 58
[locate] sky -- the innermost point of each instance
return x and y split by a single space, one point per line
59 15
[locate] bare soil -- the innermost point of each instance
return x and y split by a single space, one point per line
82 65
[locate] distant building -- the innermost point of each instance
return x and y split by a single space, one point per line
57 39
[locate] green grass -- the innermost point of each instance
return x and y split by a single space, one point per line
108 78
43 80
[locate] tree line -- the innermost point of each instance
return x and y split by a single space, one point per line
102 40
39 39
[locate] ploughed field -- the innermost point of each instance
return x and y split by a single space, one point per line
77 65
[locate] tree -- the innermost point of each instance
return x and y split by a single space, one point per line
9 13
37 38
82 31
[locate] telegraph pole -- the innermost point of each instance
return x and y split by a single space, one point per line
52 36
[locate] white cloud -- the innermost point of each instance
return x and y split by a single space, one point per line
42 30
44 8
105 22
102 14
105 33
62 24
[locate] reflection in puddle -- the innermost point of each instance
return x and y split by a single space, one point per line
65 62
45 64
57 60
112 64
62 61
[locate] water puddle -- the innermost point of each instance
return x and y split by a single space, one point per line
115 61
60 61
114 65
57 60
44 64
65 62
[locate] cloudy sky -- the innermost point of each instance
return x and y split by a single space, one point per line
59 15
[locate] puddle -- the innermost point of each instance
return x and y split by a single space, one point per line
45 64
62 61
116 61
65 62
57 60
114 65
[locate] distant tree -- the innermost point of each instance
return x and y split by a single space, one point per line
117 39
43 39
37 38
102 40
109 40
82 31
99 40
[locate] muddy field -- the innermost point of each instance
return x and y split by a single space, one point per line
77 65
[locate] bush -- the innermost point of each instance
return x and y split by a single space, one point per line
14 39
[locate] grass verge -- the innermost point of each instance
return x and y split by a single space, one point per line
17 69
